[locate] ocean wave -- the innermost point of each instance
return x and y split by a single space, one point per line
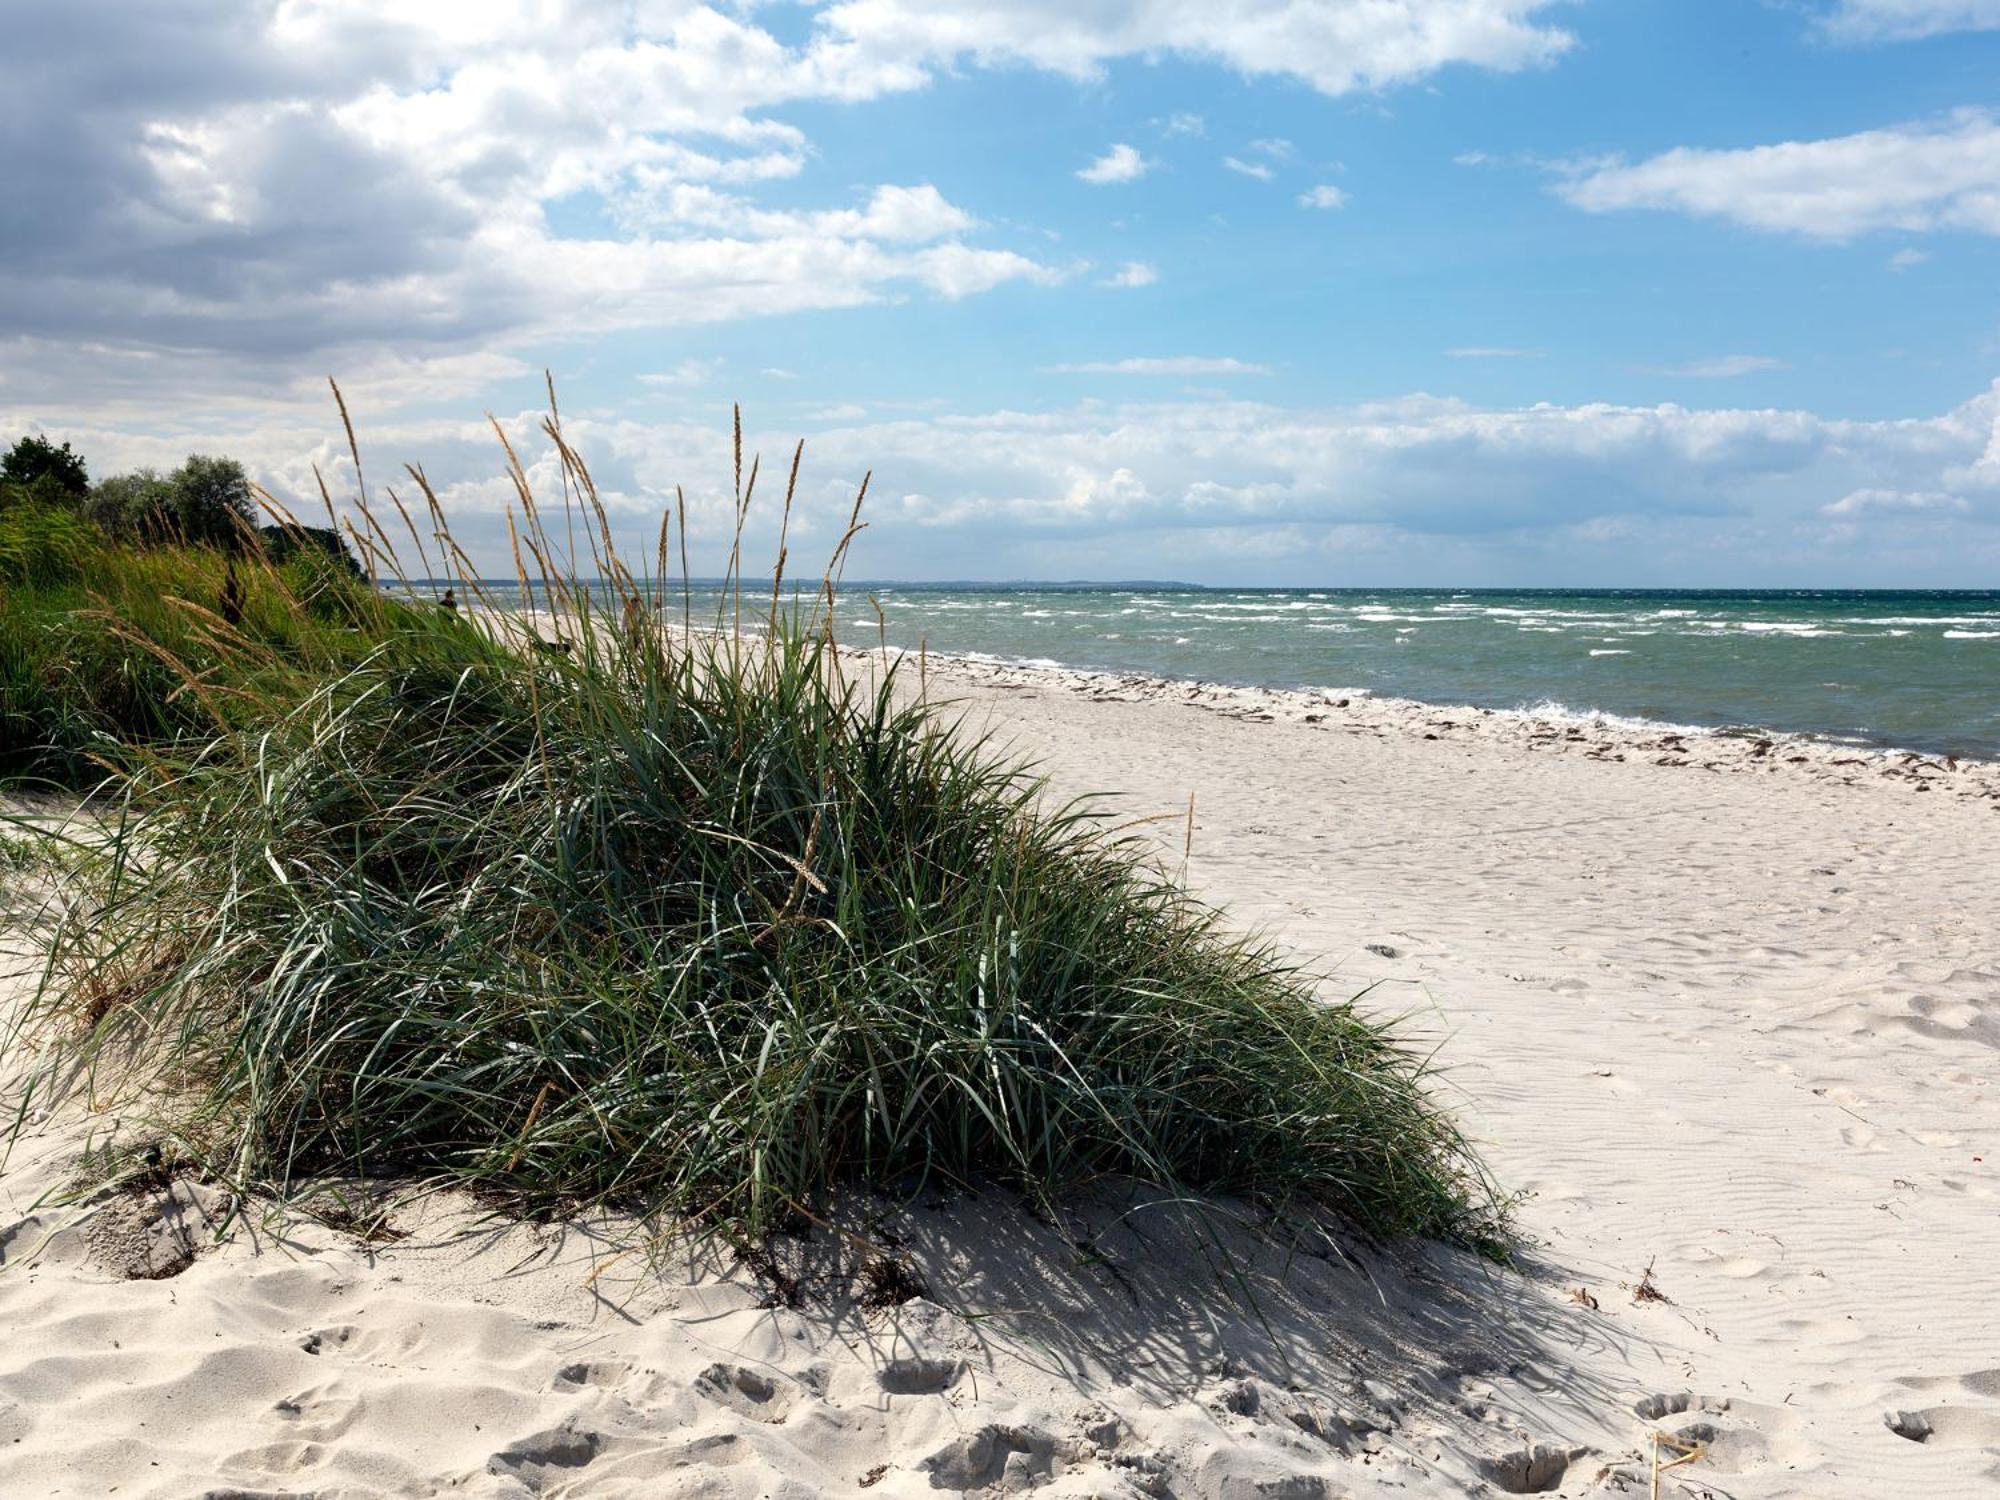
1985 619
1552 708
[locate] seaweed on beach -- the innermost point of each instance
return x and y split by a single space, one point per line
700 920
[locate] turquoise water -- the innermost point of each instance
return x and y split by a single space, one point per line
1913 670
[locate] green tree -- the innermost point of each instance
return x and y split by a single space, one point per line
37 467
211 501
132 506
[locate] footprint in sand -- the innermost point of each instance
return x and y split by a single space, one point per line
997 1456
746 1392
540 1459
1947 1426
277 1458
320 1413
372 1346
1861 1138
586 1373
918 1376
1535 1470
1736 1437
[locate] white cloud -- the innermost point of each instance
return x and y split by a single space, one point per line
310 183
774 372
1336 46
1122 163
1907 257
1257 169
1719 367
1183 122
1134 273
1177 364
1907 20
892 214
1493 351
1324 195
689 372
956 270
1860 502
1410 489
1942 174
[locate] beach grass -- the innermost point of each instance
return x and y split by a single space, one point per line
107 648
588 907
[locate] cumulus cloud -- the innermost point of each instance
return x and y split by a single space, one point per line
1907 20
310 182
1336 46
892 214
1932 175
318 181
1177 364
1324 195
1122 163
1418 487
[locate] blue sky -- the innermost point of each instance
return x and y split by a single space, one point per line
1287 291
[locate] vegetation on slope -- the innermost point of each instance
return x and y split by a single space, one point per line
704 922
151 609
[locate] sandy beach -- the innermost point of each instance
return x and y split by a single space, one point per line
1722 1011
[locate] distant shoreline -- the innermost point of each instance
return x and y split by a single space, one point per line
1868 671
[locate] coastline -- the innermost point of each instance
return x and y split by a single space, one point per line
1729 1029
1546 729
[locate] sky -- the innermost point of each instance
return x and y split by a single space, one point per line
1314 292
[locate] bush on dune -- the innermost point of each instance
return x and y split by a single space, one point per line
701 922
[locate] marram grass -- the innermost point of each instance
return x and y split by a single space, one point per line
108 649
707 923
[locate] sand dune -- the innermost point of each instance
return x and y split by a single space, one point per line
1736 1028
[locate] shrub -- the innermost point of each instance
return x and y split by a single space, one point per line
36 461
211 502
132 506
289 540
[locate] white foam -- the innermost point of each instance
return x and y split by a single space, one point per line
1783 627
1551 708
1985 619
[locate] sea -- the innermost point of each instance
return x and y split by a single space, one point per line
1913 670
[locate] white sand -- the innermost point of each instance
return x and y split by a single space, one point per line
1738 1024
